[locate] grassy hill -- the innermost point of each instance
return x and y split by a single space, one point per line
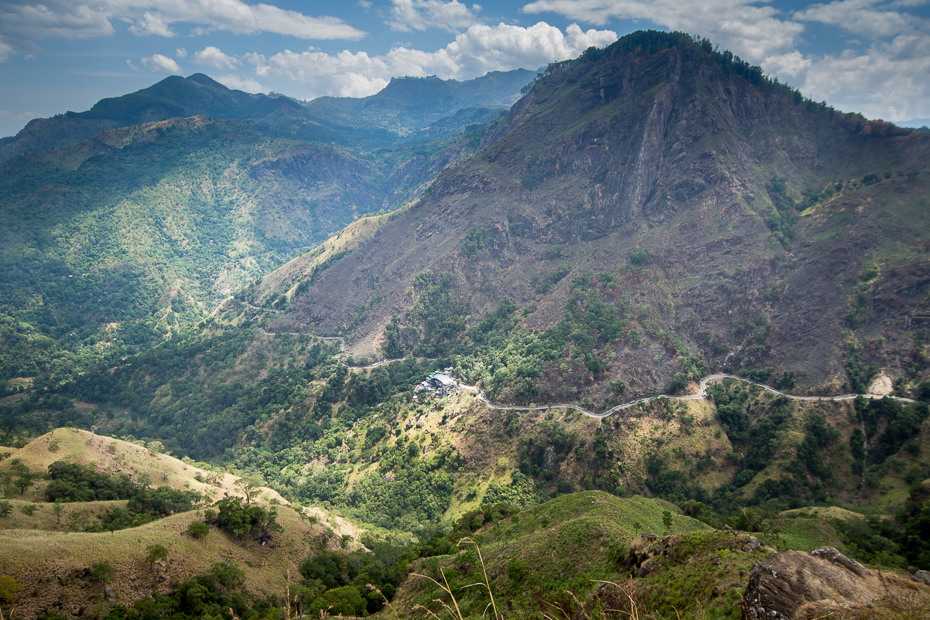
114 456
562 556
46 552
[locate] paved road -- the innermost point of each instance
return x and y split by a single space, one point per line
700 395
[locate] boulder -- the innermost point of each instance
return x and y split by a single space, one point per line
799 585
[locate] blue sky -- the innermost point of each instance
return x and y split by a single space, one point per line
868 56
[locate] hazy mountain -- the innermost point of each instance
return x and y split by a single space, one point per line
408 105
405 105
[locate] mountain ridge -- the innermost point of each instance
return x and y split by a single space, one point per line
562 174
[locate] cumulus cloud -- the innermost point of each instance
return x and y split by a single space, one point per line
453 16
749 27
474 52
131 66
214 57
25 21
161 64
882 74
238 83
180 52
888 80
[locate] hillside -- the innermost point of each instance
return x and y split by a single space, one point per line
47 551
131 221
710 213
121 240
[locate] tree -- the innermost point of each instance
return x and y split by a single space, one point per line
154 553
58 510
9 590
198 529
5 509
102 572
618 387
667 519
155 447
249 486
23 482
679 383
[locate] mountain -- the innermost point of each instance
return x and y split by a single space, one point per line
408 105
916 123
375 121
132 220
651 209
647 215
136 232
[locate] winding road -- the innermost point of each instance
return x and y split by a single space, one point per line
700 395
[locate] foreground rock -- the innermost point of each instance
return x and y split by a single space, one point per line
799 585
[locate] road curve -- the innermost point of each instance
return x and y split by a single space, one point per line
699 396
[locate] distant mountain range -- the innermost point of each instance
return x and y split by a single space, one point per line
404 108
917 123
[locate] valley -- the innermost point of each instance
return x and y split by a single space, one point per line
685 308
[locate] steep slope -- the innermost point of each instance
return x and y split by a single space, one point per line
712 214
136 232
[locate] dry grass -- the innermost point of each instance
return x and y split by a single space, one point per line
46 563
43 515
115 456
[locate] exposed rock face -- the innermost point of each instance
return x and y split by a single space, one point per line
794 584
664 152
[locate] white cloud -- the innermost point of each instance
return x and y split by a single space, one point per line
789 65
864 17
161 64
238 83
180 52
754 32
6 51
473 53
453 16
890 80
25 21
131 66
214 57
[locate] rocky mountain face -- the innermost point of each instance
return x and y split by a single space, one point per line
732 219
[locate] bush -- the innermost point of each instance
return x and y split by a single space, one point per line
198 529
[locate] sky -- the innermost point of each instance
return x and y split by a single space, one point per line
868 56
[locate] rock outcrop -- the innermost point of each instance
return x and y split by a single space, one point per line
799 585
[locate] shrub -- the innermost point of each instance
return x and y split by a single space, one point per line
198 529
